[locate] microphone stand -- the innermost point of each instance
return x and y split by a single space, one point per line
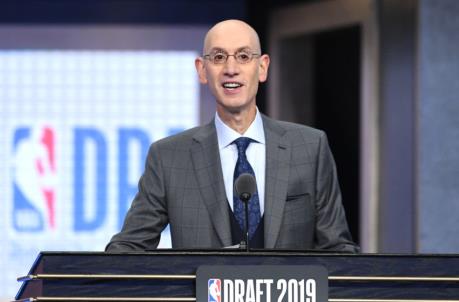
245 197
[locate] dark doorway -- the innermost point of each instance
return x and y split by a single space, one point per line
320 87
336 95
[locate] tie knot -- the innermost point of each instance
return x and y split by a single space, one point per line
242 143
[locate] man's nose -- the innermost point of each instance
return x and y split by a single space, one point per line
231 66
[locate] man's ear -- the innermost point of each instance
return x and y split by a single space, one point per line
263 68
200 68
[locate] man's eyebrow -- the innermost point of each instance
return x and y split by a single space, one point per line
244 48
218 49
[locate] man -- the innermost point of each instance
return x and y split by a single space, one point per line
188 179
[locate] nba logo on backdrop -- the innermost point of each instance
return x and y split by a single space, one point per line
214 290
34 178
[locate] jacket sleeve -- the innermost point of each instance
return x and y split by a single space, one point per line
332 231
147 216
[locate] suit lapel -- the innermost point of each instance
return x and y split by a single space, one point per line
278 154
207 166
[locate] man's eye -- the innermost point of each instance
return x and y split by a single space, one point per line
219 57
243 56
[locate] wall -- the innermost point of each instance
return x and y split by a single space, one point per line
438 126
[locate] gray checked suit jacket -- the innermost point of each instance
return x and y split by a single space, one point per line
183 185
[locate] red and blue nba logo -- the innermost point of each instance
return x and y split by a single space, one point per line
214 290
34 179
35 171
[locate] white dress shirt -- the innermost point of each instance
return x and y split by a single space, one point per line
256 155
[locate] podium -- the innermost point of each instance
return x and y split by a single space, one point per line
169 275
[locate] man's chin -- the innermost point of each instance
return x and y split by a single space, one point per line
236 107
234 110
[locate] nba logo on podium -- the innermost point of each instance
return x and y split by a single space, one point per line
214 290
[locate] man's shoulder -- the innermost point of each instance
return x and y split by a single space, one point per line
293 129
182 139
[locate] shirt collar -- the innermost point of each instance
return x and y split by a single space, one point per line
226 135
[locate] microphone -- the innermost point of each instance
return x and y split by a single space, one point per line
245 186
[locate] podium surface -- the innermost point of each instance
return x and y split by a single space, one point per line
168 275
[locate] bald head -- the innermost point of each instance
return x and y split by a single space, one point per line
232 66
229 31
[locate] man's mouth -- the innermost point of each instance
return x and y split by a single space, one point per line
231 85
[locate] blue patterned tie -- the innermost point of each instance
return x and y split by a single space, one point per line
243 166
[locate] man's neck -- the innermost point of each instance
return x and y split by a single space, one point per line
238 121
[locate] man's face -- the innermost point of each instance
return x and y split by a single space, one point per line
233 84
